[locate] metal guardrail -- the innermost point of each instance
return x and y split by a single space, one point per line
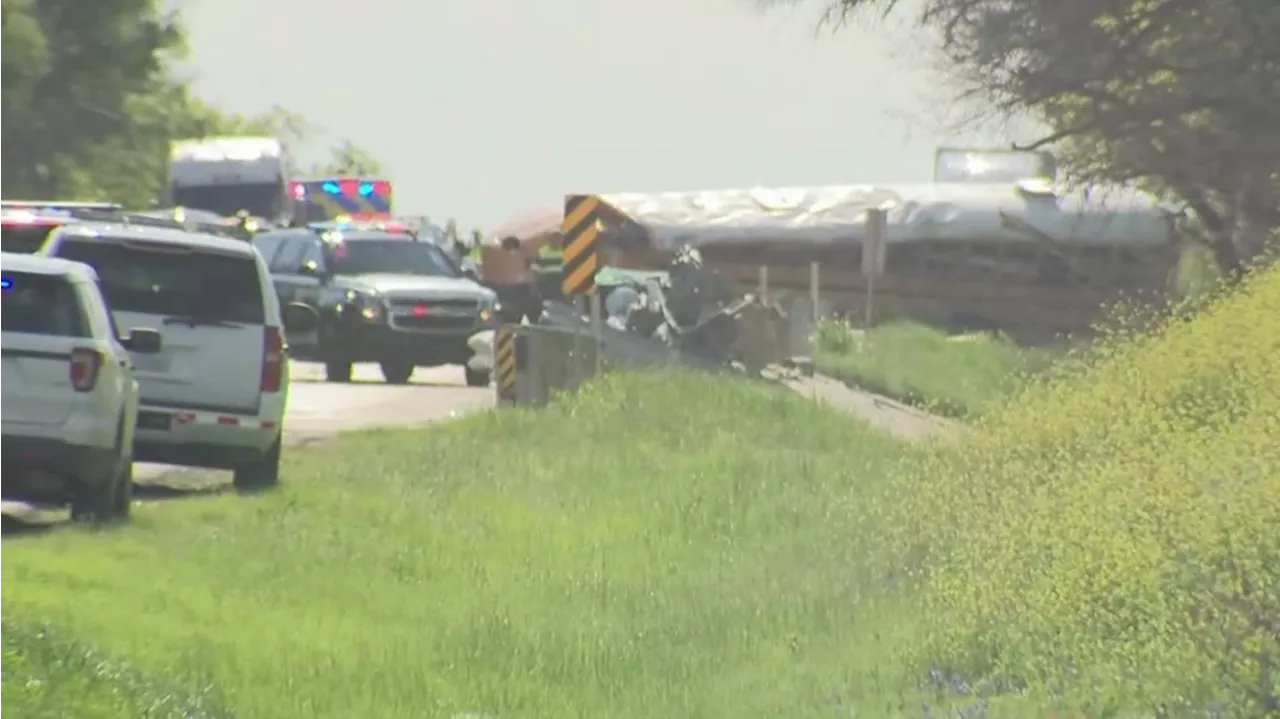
534 363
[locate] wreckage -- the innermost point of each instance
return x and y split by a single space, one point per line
685 313
724 277
1021 257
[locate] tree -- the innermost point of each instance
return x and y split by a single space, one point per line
91 107
1180 97
348 159
74 76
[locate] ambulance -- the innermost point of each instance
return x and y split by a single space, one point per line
347 198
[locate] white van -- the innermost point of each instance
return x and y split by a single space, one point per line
229 174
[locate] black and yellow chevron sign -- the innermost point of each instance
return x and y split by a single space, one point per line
505 351
581 258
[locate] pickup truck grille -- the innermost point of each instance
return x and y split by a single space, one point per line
446 305
428 322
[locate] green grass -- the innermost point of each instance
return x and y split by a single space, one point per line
951 375
624 554
1104 544
48 676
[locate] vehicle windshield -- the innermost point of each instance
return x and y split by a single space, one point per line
142 277
258 199
397 256
41 305
23 238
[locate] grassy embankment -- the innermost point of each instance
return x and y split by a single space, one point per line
957 376
626 554
680 546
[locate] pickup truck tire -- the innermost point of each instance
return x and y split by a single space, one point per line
262 473
395 372
478 377
337 371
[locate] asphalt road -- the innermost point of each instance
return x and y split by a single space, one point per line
318 410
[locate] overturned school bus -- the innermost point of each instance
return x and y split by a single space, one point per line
1016 256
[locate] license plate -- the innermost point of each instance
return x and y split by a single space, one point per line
151 363
154 420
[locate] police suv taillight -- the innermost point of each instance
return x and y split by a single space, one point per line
85 364
272 360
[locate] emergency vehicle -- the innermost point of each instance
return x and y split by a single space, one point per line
26 224
356 198
227 175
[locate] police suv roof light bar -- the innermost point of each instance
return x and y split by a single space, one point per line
142 220
54 205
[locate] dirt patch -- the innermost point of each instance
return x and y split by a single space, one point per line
894 417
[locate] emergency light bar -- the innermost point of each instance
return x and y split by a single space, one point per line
54 205
143 220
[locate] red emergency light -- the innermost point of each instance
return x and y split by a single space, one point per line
419 311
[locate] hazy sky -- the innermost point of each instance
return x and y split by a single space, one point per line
483 109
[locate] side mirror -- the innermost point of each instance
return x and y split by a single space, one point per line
471 274
300 318
142 340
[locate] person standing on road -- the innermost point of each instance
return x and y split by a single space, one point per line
513 281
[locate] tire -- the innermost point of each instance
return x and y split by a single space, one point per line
111 497
335 371
335 368
263 473
123 497
478 377
396 372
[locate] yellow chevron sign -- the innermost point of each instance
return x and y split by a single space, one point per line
505 354
581 258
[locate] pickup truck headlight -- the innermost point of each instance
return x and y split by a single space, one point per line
489 309
369 307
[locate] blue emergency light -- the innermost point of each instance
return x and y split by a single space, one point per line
5 284
366 189
332 188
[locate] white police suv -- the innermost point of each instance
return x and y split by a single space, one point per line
69 394
214 395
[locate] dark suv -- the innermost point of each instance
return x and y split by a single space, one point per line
382 295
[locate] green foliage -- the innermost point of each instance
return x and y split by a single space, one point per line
50 676
1108 541
347 159
90 107
956 375
1180 96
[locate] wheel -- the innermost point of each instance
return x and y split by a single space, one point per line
337 371
263 473
478 377
111 497
100 500
124 489
396 372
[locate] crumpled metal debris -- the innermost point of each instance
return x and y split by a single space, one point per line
702 314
